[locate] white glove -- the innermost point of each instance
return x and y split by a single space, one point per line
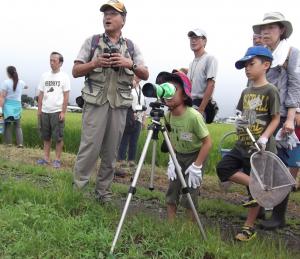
195 107
241 122
293 140
195 175
171 172
1 111
286 141
262 142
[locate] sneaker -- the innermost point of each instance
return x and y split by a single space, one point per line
131 164
120 173
250 203
122 164
246 234
103 199
42 162
56 164
20 146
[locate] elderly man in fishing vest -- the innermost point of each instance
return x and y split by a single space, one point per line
108 62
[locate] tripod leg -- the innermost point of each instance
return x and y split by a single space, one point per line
151 187
132 189
183 183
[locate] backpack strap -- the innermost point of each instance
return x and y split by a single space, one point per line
130 47
94 45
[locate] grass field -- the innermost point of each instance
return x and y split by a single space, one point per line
42 217
73 131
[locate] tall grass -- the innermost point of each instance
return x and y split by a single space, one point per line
73 130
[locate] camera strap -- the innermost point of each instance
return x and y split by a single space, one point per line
138 94
168 123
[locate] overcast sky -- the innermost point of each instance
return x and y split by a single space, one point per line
31 29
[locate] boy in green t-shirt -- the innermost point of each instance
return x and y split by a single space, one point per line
190 139
259 105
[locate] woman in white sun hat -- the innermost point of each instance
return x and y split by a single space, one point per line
285 75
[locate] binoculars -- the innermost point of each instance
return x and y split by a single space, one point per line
110 51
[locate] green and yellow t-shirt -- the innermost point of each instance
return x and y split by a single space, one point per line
187 131
257 104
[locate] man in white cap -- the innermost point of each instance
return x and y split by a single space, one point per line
108 62
202 73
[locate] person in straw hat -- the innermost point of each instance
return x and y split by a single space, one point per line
285 75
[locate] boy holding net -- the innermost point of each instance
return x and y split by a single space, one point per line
259 105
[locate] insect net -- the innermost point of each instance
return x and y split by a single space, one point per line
270 179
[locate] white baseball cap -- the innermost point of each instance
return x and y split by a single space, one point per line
198 32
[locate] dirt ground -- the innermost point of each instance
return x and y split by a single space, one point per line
210 189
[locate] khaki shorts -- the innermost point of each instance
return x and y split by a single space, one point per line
174 193
51 127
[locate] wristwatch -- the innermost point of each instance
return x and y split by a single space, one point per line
134 66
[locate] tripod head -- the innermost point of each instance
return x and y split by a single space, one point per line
156 112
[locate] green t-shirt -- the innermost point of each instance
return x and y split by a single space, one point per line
257 104
187 131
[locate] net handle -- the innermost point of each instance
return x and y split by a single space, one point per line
253 139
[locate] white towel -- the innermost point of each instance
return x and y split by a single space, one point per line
281 53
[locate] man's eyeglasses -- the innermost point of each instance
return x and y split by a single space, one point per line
194 38
111 13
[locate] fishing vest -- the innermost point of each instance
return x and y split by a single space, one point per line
107 84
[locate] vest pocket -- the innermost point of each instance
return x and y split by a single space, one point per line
94 97
93 89
123 92
123 97
126 78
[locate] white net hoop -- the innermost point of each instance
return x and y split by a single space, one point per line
270 179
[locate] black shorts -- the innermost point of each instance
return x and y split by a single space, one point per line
51 127
232 163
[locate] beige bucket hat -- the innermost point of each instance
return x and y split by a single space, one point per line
272 18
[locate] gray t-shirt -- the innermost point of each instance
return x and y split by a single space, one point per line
200 70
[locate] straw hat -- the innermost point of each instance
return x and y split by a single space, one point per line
274 17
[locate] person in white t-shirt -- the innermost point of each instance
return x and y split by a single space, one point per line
54 89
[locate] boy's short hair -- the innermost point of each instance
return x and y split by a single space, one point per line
261 52
179 78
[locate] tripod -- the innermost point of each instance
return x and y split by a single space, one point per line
153 130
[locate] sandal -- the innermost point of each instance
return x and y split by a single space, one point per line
250 203
246 234
42 162
56 164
